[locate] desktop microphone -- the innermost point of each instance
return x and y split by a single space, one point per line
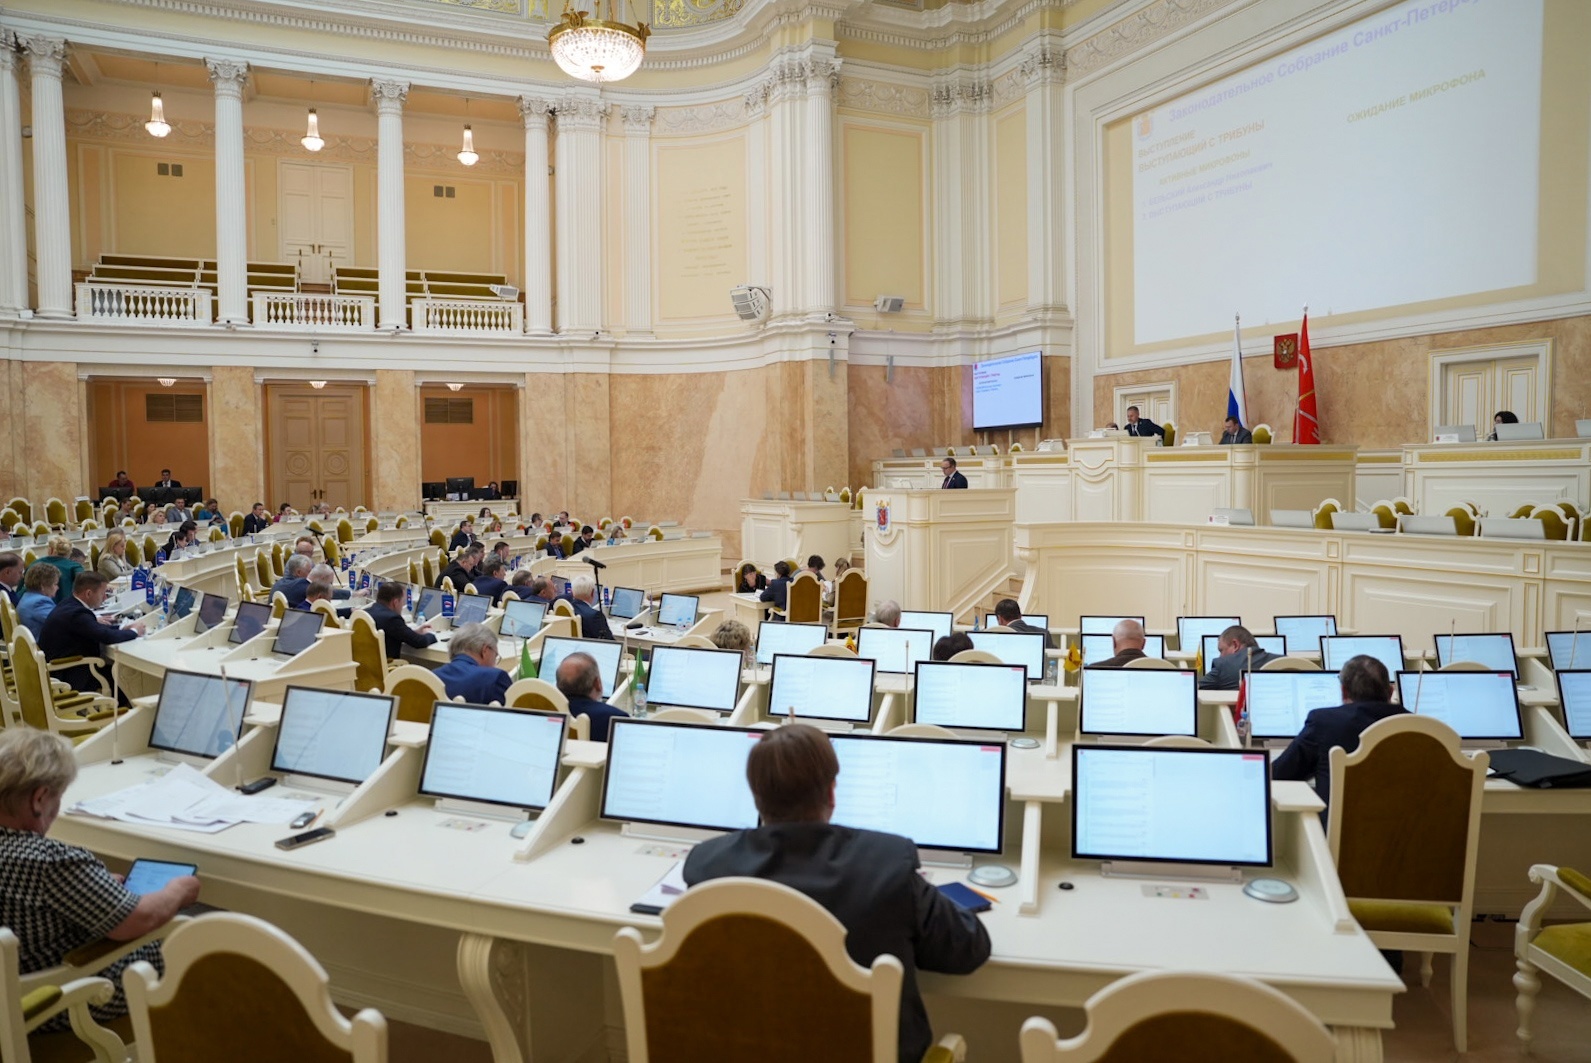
226 709
1574 643
115 714
593 562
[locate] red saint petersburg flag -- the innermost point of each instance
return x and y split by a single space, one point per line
1306 422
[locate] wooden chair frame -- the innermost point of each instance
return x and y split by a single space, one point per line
1531 959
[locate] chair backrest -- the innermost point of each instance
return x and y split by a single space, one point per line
439 538
975 657
135 556
920 730
850 596
1463 519
1556 523
31 677
1262 433
239 569
8 619
262 565
831 649
1192 1018
698 642
372 524
237 988
9 518
536 694
1288 664
754 933
333 554
1323 511
1386 516
804 599
684 715
234 524
54 511
1408 789
417 690
278 556
563 607
278 605
329 611
1150 662
83 509
1178 742
655 532
447 585
345 530
428 570
1463 666
23 507
1171 434
414 571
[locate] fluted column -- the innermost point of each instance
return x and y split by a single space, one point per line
579 225
1043 72
538 217
963 258
13 216
231 211
822 77
637 218
52 218
392 261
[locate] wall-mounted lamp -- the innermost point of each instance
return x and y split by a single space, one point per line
455 387
167 381
317 384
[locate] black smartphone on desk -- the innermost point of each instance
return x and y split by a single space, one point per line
309 837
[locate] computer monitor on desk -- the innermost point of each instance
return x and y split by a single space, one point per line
1279 702
1142 702
1140 808
212 611
1098 648
1523 431
459 485
773 639
184 601
946 795
679 777
991 622
432 490
1103 625
428 606
1458 433
1483 707
677 610
1014 647
296 632
974 697
1574 694
627 603
1495 650
939 623
554 648
1190 629
1568 649
493 756
1338 650
821 688
896 649
199 716
249 622
694 678
331 734
1303 633
470 609
521 618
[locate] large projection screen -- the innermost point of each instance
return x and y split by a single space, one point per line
1429 156
1008 392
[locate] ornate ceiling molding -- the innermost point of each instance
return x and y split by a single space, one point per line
718 117
1135 32
883 97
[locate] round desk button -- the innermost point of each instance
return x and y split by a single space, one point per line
1270 889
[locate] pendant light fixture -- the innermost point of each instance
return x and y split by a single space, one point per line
467 154
157 126
311 138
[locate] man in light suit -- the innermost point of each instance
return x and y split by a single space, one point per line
953 478
1240 653
1009 614
867 880
1236 433
1367 699
471 671
1142 426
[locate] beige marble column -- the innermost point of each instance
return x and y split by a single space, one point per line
394 441
543 442
237 439
52 219
588 411
52 430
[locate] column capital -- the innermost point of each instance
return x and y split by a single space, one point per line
228 75
534 111
1044 65
9 59
389 95
583 113
637 120
46 55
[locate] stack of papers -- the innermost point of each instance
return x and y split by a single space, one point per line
185 799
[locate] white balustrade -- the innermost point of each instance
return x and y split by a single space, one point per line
345 313
145 305
484 317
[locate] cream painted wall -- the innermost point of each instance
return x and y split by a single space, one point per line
885 229
1011 207
700 204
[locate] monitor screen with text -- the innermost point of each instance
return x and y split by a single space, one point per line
332 734
1013 647
1195 806
821 688
1191 629
896 649
682 775
1138 701
627 602
1103 625
940 624
694 678
1574 694
1278 702
249 621
200 715
788 638
296 631
1098 648
1338 650
1211 646
940 793
677 610
1569 649
1303 633
428 606
521 618
1478 705
470 609
554 648
985 697
1494 650
1008 392
495 755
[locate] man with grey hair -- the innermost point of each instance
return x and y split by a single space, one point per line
471 671
56 897
294 582
1127 639
887 613
1240 652
583 593
324 573
580 680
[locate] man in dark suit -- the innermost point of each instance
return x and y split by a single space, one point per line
72 630
489 578
1009 613
1127 639
465 536
778 589
461 570
294 583
471 671
583 540
257 520
583 596
11 575
953 479
166 481
580 680
866 880
1239 653
1367 699
1236 433
1142 426
387 612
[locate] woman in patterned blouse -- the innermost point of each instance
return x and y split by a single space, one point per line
56 897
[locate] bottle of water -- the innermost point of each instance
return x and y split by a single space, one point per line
1052 671
1244 727
638 686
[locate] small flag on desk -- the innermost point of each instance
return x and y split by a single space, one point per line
527 667
1242 697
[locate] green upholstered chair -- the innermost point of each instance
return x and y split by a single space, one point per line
1324 511
806 999
237 988
32 1000
1404 827
1261 433
417 690
1562 951
1191 1018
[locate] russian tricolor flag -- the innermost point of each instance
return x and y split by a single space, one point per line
1236 399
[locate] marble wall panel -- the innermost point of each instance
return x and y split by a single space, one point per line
394 440
11 431
237 460
887 413
543 443
52 430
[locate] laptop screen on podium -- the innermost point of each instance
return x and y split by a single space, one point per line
212 610
820 688
674 610
1303 632
1569 649
627 602
200 715
1138 701
1193 806
986 697
491 754
1478 705
1278 702
679 774
940 624
250 621
296 631
694 678
1103 625
332 734
788 638
940 793
1191 629
1211 646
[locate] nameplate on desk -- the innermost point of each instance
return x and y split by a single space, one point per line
1220 518
1447 437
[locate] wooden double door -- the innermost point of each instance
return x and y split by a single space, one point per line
317 445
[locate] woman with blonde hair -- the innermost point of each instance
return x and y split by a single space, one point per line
113 563
733 635
60 557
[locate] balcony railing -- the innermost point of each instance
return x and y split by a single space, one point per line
171 307
341 313
468 317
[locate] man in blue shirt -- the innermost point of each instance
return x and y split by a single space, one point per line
580 680
471 672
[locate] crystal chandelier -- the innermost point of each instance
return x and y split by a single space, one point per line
156 126
591 48
311 138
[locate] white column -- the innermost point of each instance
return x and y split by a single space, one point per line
231 210
822 76
579 222
392 261
638 218
52 219
538 217
13 216
964 244
778 97
1044 72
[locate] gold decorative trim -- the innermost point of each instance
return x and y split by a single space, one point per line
1493 455
1380 459
1200 455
